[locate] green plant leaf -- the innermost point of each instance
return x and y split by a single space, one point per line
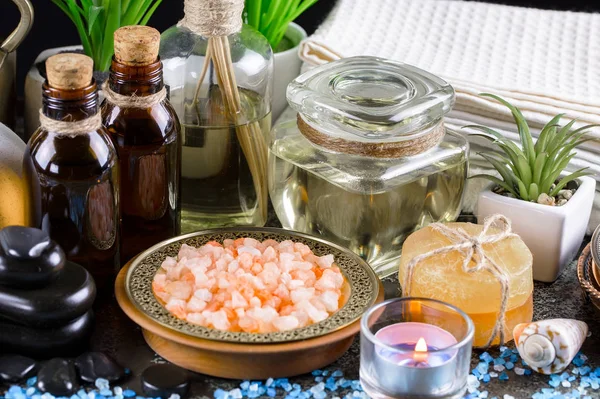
538 168
268 18
560 137
75 13
583 129
523 194
96 35
113 22
64 8
566 150
145 5
497 138
524 132
282 29
505 160
275 26
499 182
552 171
85 5
525 172
563 182
93 13
534 191
301 9
125 6
548 131
501 168
149 13
253 12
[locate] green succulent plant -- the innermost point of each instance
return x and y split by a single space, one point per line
97 20
272 17
531 169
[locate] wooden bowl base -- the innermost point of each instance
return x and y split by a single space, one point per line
256 365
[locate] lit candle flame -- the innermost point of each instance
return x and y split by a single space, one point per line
420 355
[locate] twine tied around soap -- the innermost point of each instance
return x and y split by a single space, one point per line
472 250
71 128
397 149
211 18
133 101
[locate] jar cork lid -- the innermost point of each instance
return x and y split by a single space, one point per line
371 107
69 71
136 45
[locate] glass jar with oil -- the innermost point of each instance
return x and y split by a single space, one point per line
368 160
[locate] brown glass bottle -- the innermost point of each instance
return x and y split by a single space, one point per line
73 183
149 150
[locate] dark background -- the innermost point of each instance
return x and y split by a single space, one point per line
53 29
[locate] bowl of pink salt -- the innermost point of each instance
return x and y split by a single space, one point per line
248 302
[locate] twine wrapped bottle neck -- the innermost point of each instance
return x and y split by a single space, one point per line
210 18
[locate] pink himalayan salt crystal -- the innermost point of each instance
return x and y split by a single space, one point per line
251 286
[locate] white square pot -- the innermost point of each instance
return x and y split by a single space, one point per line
552 233
286 67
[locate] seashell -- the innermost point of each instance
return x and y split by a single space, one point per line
549 346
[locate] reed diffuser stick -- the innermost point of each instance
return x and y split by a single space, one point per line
249 133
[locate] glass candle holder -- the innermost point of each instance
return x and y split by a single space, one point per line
415 348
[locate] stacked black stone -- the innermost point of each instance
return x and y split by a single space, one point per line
45 301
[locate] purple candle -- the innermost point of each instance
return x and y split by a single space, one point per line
412 358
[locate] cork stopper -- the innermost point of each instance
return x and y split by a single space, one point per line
136 45
69 71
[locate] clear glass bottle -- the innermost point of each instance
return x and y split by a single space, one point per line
369 160
72 178
147 142
219 74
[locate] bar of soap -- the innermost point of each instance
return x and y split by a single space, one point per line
478 294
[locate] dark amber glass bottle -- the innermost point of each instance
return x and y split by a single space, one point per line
72 176
146 136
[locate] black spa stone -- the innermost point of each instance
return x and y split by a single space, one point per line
162 380
58 377
43 343
28 258
94 365
15 368
69 296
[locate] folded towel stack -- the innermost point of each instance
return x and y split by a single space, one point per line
544 62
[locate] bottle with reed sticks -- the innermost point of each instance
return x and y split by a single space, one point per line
145 131
71 170
219 72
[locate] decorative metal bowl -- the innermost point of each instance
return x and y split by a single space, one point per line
363 285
